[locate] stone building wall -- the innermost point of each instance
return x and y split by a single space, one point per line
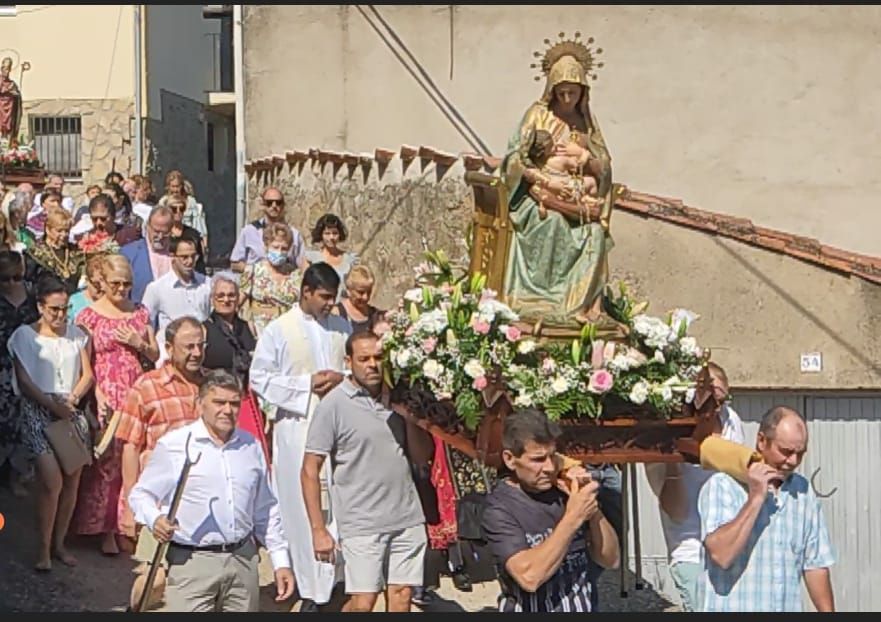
106 134
759 309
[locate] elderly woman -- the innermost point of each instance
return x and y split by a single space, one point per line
53 373
271 285
356 306
229 341
328 233
54 254
176 186
18 218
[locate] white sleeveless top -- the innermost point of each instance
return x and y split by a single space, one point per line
53 363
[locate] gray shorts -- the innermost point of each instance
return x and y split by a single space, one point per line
392 558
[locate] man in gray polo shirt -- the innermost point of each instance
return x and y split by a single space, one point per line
374 499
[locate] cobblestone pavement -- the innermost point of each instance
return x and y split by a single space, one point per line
100 583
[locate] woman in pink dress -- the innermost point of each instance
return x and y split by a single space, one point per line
122 338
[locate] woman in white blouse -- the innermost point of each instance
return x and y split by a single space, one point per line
52 374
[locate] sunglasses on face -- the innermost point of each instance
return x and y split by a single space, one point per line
179 209
271 202
118 284
54 309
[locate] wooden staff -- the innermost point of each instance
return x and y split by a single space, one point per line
162 549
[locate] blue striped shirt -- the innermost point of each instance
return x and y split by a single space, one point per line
789 537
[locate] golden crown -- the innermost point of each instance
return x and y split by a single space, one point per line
571 47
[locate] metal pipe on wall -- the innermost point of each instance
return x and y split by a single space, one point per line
139 138
239 87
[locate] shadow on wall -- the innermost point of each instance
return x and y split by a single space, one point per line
180 141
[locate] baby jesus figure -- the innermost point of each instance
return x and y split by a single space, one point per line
562 175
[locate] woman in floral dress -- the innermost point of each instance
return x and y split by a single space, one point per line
270 286
121 336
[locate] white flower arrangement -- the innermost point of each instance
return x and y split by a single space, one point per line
453 336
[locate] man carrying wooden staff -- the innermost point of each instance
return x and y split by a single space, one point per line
226 504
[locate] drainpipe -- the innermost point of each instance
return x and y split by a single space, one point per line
139 139
239 87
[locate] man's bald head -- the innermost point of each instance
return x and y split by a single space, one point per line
783 439
790 419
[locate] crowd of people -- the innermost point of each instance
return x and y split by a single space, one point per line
126 362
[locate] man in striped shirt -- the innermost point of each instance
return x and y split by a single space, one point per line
762 538
542 537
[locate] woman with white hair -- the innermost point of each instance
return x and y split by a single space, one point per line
229 340
229 344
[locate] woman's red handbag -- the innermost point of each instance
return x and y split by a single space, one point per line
251 420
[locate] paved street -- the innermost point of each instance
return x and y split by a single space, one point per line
100 583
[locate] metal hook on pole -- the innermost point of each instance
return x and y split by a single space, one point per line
162 549
814 486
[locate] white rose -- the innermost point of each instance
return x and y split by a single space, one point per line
474 369
689 347
434 322
524 399
414 295
432 369
403 357
560 385
659 357
526 346
639 393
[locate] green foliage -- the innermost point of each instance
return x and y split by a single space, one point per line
468 408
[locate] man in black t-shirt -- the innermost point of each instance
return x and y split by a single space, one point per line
541 536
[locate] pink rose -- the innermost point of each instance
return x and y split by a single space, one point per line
480 327
479 383
548 364
512 333
429 345
600 381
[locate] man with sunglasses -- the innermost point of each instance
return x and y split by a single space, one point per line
249 247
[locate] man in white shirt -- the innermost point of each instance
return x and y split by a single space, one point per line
181 291
678 486
249 247
227 503
298 359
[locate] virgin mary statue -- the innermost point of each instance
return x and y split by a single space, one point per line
558 175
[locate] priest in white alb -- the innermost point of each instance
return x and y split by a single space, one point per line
298 359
